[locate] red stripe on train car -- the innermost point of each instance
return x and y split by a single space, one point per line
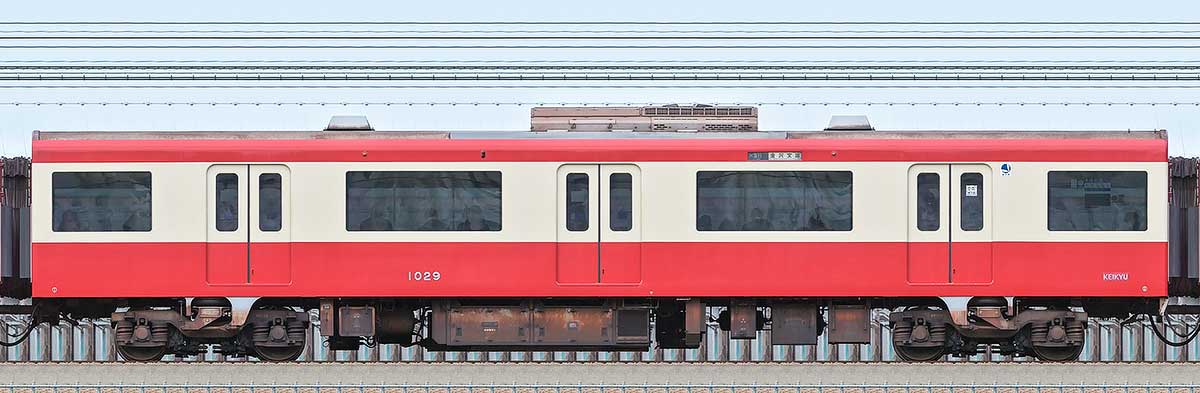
598 150
677 269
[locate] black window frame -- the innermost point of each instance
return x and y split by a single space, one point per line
148 194
1052 211
278 208
217 200
711 226
453 226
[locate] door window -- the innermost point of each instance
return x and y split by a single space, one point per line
929 202
971 201
620 202
227 202
270 202
577 202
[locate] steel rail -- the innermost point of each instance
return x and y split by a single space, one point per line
600 38
467 77
623 31
597 86
593 104
599 46
605 22
597 68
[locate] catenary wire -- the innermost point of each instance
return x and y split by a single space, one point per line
606 22
599 86
603 37
596 104
599 46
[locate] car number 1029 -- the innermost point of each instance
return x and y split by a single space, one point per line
424 276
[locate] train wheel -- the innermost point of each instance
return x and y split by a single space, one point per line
278 339
141 340
918 340
1057 341
278 354
142 354
1058 354
919 354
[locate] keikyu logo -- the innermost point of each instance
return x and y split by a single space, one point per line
1116 276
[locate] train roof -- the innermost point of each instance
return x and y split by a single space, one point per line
503 135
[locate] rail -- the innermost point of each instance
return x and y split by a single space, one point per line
593 388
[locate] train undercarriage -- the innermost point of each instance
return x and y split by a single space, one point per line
926 329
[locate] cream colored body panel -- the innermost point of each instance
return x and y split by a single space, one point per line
666 203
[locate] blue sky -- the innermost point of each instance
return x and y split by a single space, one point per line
16 122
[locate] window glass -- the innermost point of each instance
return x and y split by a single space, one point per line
929 201
774 201
101 201
1097 201
227 202
577 202
270 202
971 202
423 201
620 202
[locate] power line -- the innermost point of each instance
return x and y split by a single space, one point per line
629 22
1168 86
622 31
569 69
597 104
553 77
599 46
634 61
596 38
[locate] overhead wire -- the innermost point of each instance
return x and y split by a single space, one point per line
597 104
621 31
605 22
443 86
567 36
600 46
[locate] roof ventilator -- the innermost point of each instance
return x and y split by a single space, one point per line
849 123
349 123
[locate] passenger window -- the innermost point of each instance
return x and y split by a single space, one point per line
774 201
227 202
577 202
101 201
270 202
1096 201
971 202
620 202
444 201
929 202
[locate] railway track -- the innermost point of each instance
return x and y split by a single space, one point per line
600 378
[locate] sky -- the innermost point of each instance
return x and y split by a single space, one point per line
17 121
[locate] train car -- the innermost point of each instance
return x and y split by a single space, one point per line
598 240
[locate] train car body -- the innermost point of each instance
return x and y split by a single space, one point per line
586 240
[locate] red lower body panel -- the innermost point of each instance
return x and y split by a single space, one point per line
534 270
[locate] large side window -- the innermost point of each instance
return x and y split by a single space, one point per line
774 201
101 201
423 201
1096 201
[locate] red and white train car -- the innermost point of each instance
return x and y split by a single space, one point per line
550 240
